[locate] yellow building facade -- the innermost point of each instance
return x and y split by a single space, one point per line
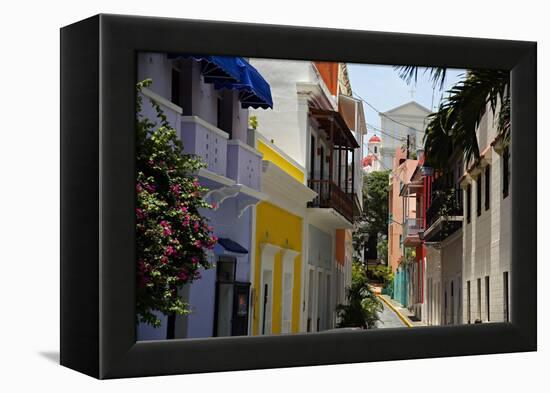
279 243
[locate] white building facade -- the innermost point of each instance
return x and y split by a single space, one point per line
487 232
407 120
321 130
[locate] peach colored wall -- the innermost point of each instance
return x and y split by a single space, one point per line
401 174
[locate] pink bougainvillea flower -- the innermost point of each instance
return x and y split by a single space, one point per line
169 251
150 187
194 260
186 220
183 275
198 244
214 205
166 229
139 188
164 259
183 209
140 214
196 226
176 189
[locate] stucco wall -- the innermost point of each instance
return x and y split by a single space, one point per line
286 124
433 288
283 229
201 294
487 246
487 238
451 277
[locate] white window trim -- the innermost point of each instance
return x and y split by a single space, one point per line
288 260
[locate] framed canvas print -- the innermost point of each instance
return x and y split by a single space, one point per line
240 196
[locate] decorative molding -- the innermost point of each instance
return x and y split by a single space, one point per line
289 254
315 90
475 170
465 180
221 194
215 177
253 193
249 198
277 179
269 250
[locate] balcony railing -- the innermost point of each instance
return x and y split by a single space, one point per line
329 195
244 164
446 211
203 139
413 226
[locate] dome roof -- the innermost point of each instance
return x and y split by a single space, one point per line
375 139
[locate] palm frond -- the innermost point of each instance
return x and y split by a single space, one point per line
453 127
409 74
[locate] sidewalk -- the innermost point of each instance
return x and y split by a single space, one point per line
406 315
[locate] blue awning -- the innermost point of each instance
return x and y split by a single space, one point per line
214 68
254 91
234 73
232 246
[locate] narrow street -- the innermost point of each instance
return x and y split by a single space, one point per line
389 319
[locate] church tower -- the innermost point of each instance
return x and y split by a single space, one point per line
372 162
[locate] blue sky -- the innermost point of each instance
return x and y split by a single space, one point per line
381 87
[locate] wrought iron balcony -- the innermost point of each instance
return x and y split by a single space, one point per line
444 215
329 195
412 229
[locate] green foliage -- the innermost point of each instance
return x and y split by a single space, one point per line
453 127
374 218
362 307
171 234
382 251
410 74
381 273
409 257
253 122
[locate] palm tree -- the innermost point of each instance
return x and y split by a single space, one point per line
453 127
362 308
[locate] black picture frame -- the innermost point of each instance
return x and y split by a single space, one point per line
98 75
